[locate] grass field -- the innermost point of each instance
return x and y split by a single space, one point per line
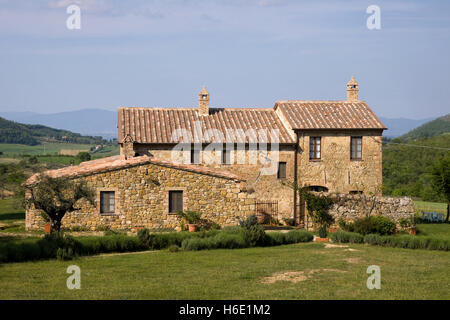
430 206
333 273
303 271
11 215
45 148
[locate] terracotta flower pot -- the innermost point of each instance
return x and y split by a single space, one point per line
321 239
413 231
192 227
47 228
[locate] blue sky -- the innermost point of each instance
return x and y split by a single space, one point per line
246 52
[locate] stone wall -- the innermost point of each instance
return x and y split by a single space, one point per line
141 199
266 187
350 207
335 170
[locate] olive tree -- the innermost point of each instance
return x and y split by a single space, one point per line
57 196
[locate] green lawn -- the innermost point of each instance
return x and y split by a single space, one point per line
441 230
333 273
10 213
430 207
327 273
44 148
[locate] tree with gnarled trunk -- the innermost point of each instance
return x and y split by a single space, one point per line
57 196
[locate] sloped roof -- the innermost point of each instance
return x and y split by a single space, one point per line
329 115
119 162
156 125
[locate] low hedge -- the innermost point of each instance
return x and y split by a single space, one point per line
235 240
397 241
66 247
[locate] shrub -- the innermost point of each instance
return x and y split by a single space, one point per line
275 239
228 241
370 225
383 225
250 221
318 207
347 237
323 232
373 239
296 236
174 248
197 244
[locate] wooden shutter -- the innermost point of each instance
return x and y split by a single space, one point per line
314 147
175 201
107 202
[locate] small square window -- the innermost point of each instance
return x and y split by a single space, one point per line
314 148
175 201
356 148
107 201
281 170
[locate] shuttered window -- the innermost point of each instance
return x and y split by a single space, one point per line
107 201
281 170
175 201
314 148
356 148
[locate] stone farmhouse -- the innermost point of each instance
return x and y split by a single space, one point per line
226 162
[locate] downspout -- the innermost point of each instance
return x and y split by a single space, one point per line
295 176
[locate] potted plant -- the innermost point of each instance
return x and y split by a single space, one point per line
408 224
322 234
192 219
47 224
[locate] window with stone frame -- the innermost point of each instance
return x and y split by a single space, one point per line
315 148
175 201
107 201
356 148
281 170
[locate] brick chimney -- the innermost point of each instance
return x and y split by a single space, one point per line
203 102
352 90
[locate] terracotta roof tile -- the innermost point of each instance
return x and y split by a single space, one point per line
155 125
329 115
119 162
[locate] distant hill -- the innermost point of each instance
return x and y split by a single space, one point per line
99 122
407 160
33 134
400 126
430 129
92 122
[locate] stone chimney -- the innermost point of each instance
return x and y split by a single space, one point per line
203 102
352 90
